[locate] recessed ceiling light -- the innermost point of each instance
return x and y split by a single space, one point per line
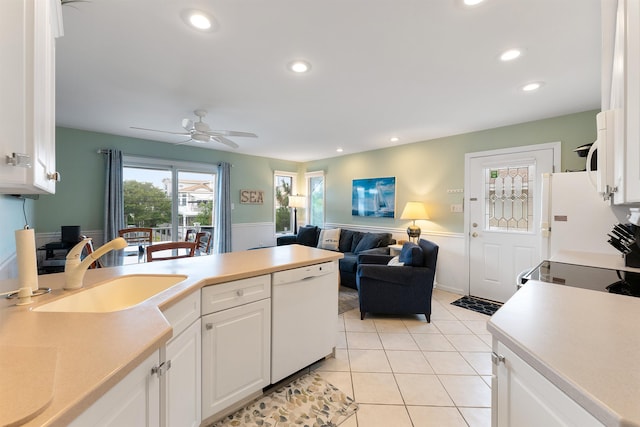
394 139
339 150
530 87
199 20
299 66
472 2
510 55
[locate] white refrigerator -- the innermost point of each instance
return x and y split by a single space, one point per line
575 217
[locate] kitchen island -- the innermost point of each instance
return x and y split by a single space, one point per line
80 356
584 343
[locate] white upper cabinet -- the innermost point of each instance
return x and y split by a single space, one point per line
621 93
28 29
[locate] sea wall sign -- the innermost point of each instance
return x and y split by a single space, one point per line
251 197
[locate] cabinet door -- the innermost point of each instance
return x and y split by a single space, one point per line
134 401
183 379
524 398
236 349
27 109
625 99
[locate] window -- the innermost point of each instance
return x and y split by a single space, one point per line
170 197
508 199
284 186
315 201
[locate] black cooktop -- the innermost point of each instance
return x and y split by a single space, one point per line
580 276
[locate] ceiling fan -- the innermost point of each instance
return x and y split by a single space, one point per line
201 132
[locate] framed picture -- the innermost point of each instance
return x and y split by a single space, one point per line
374 197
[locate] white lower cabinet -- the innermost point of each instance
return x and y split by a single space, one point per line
133 402
183 379
523 397
236 343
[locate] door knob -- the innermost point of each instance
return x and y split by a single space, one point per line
474 234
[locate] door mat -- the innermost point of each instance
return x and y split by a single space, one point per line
347 299
478 305
307 401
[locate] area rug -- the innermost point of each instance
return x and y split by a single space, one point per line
478 305
347 299
307 401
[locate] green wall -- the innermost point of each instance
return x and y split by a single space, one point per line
426 170
79 197
423 170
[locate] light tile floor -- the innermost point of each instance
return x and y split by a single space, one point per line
403 371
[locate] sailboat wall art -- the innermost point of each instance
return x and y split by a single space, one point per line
374 197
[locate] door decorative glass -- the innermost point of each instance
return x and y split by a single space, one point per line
509 198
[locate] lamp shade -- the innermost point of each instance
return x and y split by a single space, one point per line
414 210
297 201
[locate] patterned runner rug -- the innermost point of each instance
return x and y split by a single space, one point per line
478 305
307 401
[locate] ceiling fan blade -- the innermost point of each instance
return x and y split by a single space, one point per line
225 141
161 131
232 133
183 142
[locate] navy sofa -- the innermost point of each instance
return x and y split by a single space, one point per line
352 243
395 289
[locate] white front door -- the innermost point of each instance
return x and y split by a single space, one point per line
503 199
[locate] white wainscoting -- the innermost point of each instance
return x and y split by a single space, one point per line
252 235
451 274
451 271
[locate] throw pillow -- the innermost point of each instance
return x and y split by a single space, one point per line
395 262
369 241
329 239
307 235
411 254
346 239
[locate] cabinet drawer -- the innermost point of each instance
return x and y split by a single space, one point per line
231 294
183 313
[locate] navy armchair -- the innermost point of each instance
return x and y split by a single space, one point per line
398 289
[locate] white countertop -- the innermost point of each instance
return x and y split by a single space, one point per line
82 355
585 342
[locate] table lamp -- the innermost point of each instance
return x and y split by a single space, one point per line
296 202
413 211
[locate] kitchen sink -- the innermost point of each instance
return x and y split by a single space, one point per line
114 295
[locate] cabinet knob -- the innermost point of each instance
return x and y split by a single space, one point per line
497 358
208 326
240 292
474 234
54 176
161 369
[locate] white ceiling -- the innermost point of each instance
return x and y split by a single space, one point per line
416 69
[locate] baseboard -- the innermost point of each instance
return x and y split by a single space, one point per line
451 289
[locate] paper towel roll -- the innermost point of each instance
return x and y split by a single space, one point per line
27 263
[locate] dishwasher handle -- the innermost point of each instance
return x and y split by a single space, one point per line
303 273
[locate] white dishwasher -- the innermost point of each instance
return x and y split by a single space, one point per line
304 315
